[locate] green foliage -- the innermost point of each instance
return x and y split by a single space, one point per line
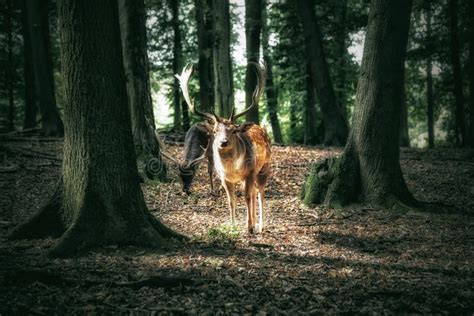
223 233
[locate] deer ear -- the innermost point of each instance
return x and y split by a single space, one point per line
245 126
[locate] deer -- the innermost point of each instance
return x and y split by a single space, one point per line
241 152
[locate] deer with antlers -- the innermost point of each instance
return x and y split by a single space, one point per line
241 153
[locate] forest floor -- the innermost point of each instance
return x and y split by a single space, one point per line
308 260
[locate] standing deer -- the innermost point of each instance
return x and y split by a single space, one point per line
241 152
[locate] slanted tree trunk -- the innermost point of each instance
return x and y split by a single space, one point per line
98 200
334 120
134 47
177 65
206 63
309 114
10 73
471 73
270 88
403 132
369 169
429 79
224 86
38 25
253 27
28 72
456 64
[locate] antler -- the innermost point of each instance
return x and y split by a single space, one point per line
261 78
183 83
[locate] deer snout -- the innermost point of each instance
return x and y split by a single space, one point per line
224 143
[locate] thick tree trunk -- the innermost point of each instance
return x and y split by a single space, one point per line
206 63
471 73
369 169
403 133
99 200
28 73
177 65
336 128
309 113
38 25
270 88
253 27
224 86
429 79
134 47
456 64
10 73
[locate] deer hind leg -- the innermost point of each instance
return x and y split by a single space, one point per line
230 190
261 181
250 203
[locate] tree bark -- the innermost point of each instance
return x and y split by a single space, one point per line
31 107
38 25
332 114
253 27
224 86
403 132
99 200
309 114
457 76
341 54
10 73
177 65
429 79
206 63
369 169
471 72
132 17
270 88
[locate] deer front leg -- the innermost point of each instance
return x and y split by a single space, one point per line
230 189
250 203
261 204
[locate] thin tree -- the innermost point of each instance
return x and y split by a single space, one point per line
453 6
38 26
369 169
341 53
10 71
429 79
177 65
253 28
206 62
336 128
224 86
98 200
270 88
134 47
31 107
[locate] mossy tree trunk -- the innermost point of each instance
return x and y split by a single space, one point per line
369 169
38 26
134 47
206 62
98 200
270 88
253 28
335 123
224 85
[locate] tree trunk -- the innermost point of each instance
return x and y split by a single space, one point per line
369 169
38 25
457 76
429 79
134 48
224 86
332 114
341 54
10 73
471 72
99 200
253 27
28 73
403 132
177 65
206 63
270 88
309 114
